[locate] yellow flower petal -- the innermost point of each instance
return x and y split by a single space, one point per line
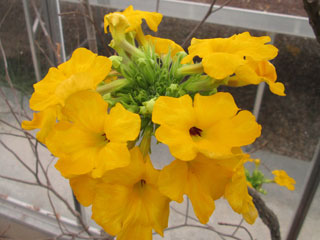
202 202
84 188
113 155
163 46
180 143
88 109
221 65
282 179
209 109
43 120
238 197
176 112
122 125
173 179
109 207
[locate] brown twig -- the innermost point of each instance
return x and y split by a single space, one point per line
266 214
6 14
209 12
237 226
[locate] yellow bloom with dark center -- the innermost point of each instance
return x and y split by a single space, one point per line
222 56
282 179
211 125
162 46
203 180
85 70
92 140
128 203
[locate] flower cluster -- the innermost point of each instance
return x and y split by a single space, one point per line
98 115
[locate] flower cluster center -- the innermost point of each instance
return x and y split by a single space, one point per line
194 131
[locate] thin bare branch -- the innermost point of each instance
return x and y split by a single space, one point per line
17 157
44 53
196 220
6 14
237 226
210 11
19 180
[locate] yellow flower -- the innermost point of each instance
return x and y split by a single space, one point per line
256 72
212 125
131 20
163 46
128 203
236 193
92 139
282 178
85 70
222 56
202 179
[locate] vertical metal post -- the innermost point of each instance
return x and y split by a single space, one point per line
51 15
260 90
309 191
31 40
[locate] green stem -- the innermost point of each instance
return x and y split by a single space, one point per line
112 86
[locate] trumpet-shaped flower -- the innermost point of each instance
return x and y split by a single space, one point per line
203 180
256 72
92 139
128 203
85 70
222 56
243 55
211 125
282 179
130 20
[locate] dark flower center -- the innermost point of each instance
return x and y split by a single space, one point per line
105 138
194 131
142 182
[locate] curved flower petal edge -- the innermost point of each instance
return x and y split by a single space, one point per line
91 140
211 125
85 70
128 203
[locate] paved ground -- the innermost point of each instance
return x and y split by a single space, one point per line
279 199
